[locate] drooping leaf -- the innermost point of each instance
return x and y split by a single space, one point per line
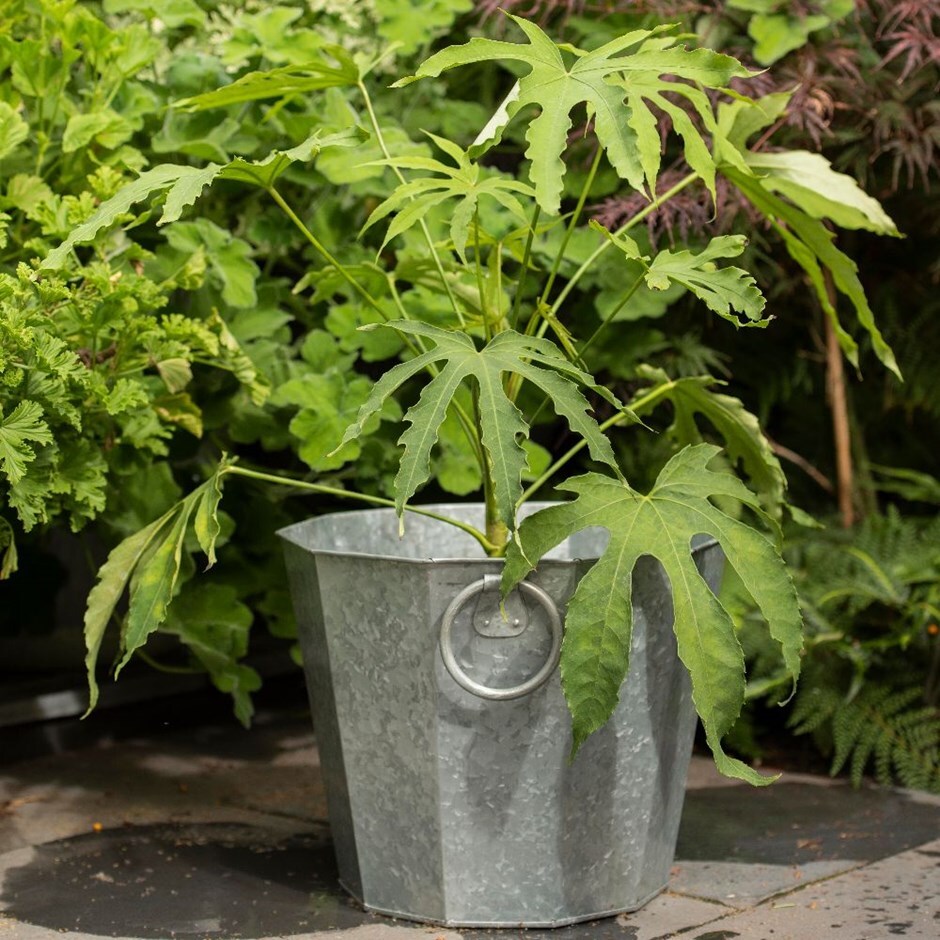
8 555
536 360
285 82
185 184
23 426
617 90
662 524
723 290
113 577
808 180
153 585
811 245
744 442
206 522
149 562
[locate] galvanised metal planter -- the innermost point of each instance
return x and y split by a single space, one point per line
444 736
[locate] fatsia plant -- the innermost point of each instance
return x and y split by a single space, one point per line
489 334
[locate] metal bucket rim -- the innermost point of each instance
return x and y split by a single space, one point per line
287 534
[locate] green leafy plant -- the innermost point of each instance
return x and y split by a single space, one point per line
871 679
882 728
476 307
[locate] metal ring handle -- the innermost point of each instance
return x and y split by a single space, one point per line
477 688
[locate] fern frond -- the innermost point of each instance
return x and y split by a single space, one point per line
882 728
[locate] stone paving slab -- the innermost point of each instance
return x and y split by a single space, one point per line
896 897
220 833
744 885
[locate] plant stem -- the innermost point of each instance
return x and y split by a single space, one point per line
484 308
171 670
579 353
572 225
838 406
526 255
373 303
380 138
610 316
465 422
325 253
606 243
650 398
487 546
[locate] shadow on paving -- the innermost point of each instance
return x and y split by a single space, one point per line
210 881
796 823
222 881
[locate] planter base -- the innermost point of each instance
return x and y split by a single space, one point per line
488 924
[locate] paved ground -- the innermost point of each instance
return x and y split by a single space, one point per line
218 833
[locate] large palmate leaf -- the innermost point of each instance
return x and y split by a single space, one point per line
148 562
466 182
662 524
185 184
537 360
744 442
617 90
723 290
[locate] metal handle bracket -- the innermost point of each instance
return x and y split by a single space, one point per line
488 692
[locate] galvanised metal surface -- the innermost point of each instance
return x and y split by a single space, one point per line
456 809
